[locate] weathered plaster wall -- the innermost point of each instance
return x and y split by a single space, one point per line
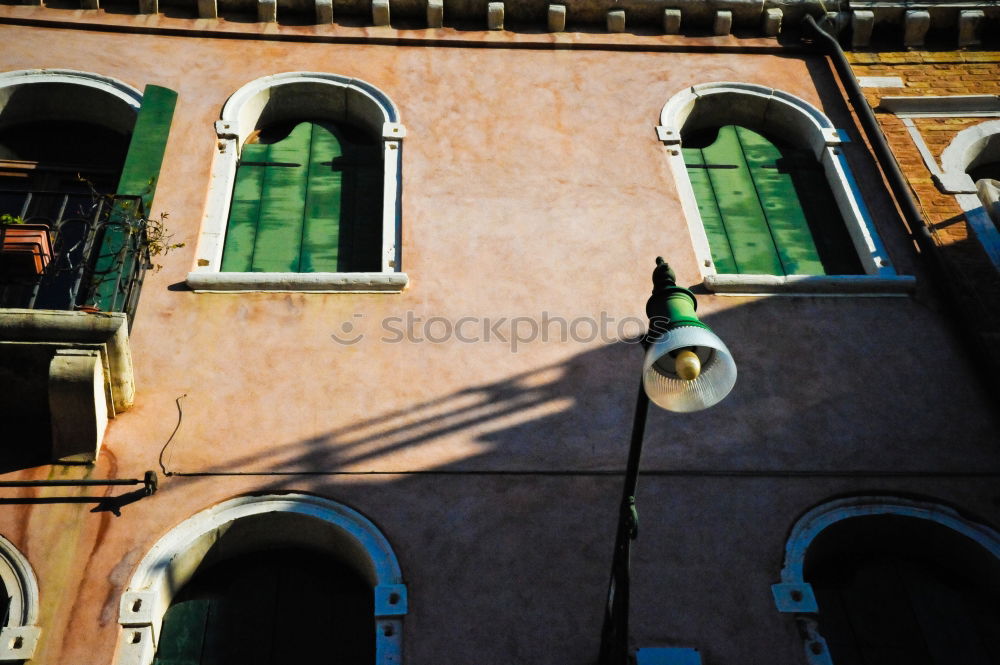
532 182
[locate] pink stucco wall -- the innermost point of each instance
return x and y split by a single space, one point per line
533 183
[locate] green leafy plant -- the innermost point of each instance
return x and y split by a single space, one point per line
9 219
158 238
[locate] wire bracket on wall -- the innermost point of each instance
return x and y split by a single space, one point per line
149 482
180 418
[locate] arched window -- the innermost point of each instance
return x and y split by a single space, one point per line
769 196
885 580
971 171
19 597
253 574
766 209
69 142
305 189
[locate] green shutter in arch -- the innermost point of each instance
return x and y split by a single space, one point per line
308 198
766 209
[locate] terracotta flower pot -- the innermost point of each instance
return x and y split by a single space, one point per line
26 249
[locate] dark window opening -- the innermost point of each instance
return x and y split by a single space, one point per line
271 608
895 590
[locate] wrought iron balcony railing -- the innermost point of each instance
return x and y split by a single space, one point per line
94 254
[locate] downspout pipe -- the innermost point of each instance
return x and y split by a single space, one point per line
904 198
873 133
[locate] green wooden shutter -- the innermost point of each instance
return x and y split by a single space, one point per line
244 213
149 141
767 210
321 249
310 202
139 177
711 216
779 200
182 635
833 242
746 224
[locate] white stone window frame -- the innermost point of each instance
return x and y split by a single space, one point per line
19 637
10 81
793 595
776 112
971 146
294 94
332 527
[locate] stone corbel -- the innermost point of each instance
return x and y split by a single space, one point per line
17 643
78 404
226 129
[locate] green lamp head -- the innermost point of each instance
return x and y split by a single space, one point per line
687 367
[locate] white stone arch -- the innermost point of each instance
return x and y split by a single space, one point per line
971 147
67 94
19 636
794 595
253 522
777 113
294 94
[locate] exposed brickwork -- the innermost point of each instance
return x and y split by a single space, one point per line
941 74
939 132
931 73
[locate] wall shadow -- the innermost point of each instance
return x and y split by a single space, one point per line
522 521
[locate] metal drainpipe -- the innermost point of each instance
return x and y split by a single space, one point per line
873 133
975 347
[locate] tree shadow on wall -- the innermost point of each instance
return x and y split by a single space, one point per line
516 514
820 378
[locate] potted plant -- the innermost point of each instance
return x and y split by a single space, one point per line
25 249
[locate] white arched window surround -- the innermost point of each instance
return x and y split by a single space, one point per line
273 520
794 595
294 95
970 147
80 103
19 636
778 113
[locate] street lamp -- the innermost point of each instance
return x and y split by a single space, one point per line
687 368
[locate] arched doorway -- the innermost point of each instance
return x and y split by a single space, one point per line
878 580
271 607
241 580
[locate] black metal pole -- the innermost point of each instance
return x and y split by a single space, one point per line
614 634
149 481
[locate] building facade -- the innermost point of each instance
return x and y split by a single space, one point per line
938 111
384 364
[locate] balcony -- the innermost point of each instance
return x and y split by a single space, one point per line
68 294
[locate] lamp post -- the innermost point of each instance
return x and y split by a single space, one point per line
686 368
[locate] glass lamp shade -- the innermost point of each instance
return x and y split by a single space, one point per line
668 390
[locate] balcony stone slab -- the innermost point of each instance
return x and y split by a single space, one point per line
67 374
